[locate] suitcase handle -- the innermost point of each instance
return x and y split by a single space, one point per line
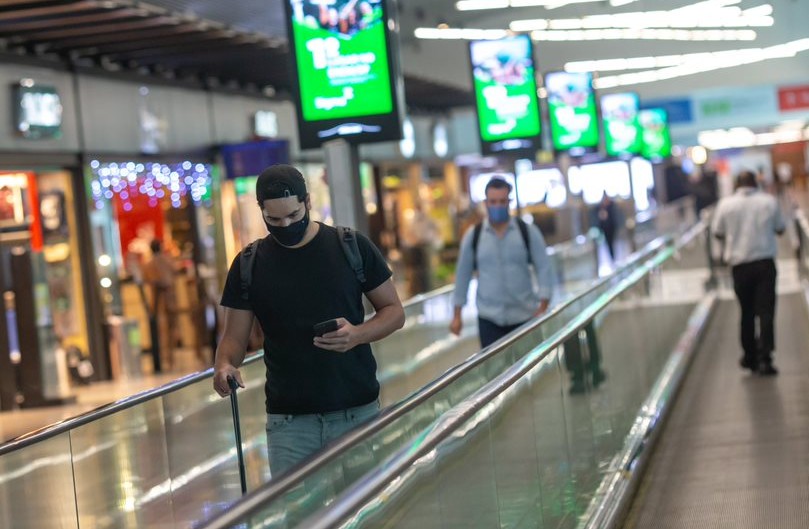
237 428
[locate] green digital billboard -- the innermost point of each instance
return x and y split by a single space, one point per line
345 69
505 94
655 131
622 132
572 110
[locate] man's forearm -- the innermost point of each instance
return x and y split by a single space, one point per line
229 352
383 323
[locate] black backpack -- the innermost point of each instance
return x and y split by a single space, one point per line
348 241
476 237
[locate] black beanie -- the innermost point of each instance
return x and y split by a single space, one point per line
279 181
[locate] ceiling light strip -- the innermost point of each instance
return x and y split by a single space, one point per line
714 61
591 34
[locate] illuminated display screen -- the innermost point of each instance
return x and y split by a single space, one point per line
38 110
594 180
505 94
573 112
655 130
345 70
622 134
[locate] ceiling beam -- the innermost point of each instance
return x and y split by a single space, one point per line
97 29
75 7
202 42
153 43
127 36
70 20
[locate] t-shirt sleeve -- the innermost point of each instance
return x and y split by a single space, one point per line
376 268
232 293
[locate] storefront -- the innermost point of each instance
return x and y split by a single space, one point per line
132 204
45 305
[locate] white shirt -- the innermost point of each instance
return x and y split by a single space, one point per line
748 221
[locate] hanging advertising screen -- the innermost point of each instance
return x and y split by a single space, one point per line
573 112
505 94
346 69
622 134
655 131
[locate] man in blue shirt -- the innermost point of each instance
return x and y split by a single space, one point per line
747 223
513 286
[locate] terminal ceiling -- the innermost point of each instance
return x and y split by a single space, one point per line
242 43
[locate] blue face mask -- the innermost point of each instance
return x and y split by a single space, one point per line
498 214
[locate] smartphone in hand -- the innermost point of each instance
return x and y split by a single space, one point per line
325 326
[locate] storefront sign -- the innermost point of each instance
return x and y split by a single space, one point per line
37 110
793 98
505 94
345 70
679 110
722 105
622 133
572 109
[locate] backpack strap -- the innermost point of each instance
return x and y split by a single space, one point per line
247 261
351 249
525 239
476 238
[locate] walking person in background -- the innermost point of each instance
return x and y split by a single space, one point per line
513 269
747 223
318 385
607 219
159 275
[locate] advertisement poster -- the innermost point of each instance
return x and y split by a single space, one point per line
343 65
656 138
505 89
573 113
622 134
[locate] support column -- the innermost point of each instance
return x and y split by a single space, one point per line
345 189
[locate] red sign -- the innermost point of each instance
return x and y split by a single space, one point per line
793 98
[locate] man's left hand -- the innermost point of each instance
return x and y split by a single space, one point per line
346 337
543 307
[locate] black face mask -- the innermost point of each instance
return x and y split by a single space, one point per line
292 234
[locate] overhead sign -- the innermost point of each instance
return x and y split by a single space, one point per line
793 98
346 70
573 113
505 94
622 132
656 136
679 110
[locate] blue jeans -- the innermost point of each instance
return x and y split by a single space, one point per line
293 438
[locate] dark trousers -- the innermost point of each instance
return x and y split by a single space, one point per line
574 360
754 284
489 332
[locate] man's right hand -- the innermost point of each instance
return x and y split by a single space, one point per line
220 379
456 325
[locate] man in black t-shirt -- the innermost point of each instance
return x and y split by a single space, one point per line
317 387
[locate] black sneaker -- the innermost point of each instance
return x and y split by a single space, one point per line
767 370
746 363
578 387
599 377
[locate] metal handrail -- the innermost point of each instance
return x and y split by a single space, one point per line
52 430
57 428
398 464
277 487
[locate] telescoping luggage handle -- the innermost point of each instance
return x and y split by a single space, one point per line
234 405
